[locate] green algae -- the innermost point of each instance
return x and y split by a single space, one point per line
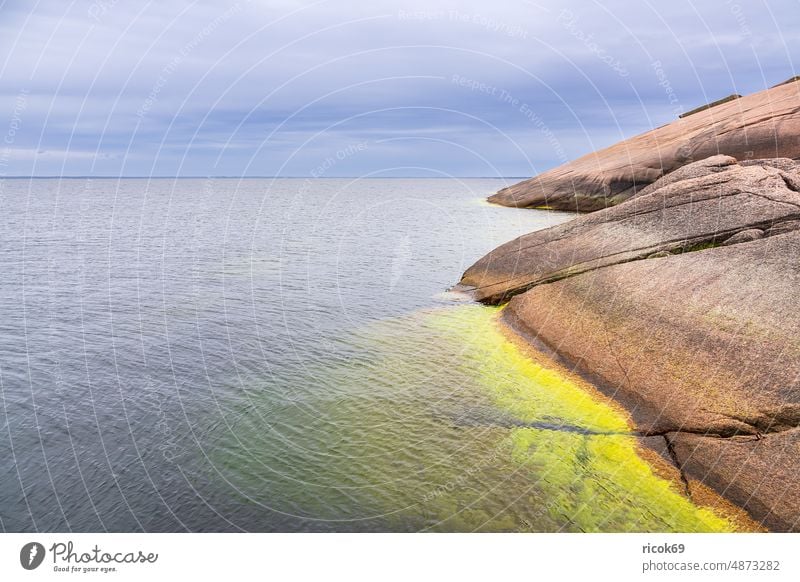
593 481
437 421
526 389
701 246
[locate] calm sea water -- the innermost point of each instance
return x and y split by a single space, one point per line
224 355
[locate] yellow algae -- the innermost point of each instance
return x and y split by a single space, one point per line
435 420
585 465
522 386
599 483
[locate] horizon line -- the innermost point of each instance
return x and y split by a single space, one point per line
261 177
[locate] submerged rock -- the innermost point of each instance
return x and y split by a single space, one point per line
762 125
700 341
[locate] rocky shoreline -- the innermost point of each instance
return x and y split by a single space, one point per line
759 126
678 296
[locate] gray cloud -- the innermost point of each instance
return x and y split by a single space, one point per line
467 88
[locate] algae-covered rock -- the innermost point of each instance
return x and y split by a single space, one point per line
705 344
682 304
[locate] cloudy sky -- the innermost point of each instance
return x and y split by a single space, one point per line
335 88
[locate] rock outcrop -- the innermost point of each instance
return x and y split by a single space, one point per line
682 303
700 205
762 125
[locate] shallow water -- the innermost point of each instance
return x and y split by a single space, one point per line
282 355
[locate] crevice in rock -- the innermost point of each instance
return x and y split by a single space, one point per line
701 246
790 182
629 216
752 428
674 456
766 422
765 197
675 246
732 434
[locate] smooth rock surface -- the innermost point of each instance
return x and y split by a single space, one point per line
700 340
703 204
759 475
761 125
704 344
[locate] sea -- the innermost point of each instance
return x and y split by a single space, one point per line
268 354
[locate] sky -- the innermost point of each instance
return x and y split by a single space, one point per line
340 88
